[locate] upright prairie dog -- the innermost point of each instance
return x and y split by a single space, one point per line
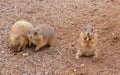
18 35
42 35
87 42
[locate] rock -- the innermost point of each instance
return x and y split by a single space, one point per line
74 70
25 54
82 65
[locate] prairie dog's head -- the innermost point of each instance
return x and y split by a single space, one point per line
35 35
14 42
88 32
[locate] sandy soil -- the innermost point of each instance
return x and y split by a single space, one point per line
67 17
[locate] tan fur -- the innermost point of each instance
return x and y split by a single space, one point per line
18 35
87 42
41 36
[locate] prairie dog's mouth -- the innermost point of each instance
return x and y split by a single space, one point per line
88 38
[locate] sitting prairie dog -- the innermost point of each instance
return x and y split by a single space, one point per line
87 42
18 35
42 35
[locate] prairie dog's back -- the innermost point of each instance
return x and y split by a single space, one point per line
47 31
20 26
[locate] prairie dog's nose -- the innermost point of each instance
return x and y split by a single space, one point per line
88 34
30 37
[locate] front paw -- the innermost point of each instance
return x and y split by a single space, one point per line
77 57
51 47
36 49
95 56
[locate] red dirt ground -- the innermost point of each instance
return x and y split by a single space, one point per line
67 17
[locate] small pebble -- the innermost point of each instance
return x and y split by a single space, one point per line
113 34
74 70
46 73
72 44
2 52
73 33
25 54
82 65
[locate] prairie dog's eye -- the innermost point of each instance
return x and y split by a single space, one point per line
35 33
85 38
92 29
17 38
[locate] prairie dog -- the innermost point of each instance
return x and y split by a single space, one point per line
18 35
42 35
87 42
